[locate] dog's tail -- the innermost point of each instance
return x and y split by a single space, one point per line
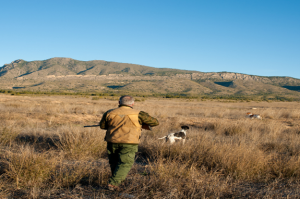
162 137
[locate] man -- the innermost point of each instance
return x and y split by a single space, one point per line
123 126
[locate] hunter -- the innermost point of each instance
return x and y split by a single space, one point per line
123 127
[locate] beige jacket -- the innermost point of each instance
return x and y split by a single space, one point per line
123 126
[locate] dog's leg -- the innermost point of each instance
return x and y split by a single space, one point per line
172 140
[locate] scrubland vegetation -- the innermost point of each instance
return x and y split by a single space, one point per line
46 153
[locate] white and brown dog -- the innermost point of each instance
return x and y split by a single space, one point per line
250 115
181 135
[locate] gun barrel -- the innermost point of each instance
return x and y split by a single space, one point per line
92 126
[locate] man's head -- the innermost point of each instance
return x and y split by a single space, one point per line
126 100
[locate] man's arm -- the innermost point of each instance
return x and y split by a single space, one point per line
145 118
103 123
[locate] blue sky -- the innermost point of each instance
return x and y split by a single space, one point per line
256 37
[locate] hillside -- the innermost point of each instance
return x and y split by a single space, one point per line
67 66
69 75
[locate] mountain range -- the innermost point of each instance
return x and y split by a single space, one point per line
97 76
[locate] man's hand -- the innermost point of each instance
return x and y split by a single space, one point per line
146 127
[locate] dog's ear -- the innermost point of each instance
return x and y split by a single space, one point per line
185 127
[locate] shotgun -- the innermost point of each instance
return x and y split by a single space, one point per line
144 126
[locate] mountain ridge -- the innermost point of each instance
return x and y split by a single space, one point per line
76 67
56 74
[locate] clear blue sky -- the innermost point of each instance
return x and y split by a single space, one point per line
257 37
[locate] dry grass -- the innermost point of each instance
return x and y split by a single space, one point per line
46 152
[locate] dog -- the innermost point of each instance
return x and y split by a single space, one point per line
181 135
250 115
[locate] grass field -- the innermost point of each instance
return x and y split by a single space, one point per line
46 153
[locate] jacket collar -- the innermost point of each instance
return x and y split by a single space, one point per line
125 106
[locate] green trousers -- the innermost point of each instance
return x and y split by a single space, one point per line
121 158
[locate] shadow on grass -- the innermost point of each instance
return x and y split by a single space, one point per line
39 142
226 84
292 88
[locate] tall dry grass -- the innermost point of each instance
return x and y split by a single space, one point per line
46 151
